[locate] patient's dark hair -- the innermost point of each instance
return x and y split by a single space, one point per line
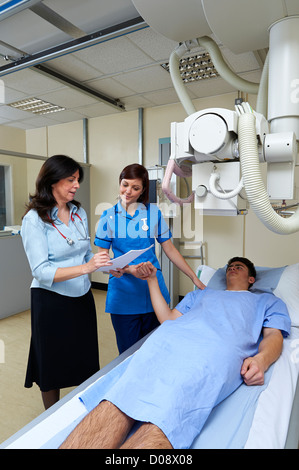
247 262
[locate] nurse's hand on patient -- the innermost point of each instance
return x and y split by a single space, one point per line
198 283
117 273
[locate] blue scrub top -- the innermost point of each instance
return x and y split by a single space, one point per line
122 232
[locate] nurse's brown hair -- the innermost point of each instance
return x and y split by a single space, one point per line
136 171
53 170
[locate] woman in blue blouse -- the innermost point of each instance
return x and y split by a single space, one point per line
64 343
133 224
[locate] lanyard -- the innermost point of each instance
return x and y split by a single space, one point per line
69 240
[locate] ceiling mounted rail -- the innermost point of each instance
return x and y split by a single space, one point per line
75 45
79 86
11 7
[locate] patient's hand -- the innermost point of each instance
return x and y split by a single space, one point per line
135 270
146 270
252 371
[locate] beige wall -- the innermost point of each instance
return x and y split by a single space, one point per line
113 143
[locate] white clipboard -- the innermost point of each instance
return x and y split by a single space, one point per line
122 261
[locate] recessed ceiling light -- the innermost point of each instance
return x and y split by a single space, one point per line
36 106
195 68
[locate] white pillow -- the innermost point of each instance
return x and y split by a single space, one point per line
205 273
288 290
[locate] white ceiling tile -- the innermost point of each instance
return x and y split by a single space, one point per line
154 44
292 7
240 62
65 116
67 98
162 97
40 121
137 101
101 14
22 30
9 95
96 110
2 120
72 66
22 125
30 82
254 76
114 56
213 87
110 87
12 113
148 79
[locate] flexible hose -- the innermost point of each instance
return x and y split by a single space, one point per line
223 69
174 69
212 185
171 168
254 186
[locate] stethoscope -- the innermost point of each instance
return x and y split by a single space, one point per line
69 240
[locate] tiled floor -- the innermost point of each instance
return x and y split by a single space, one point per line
19 405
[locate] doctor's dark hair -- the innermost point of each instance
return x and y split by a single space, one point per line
136 171
247 262
53 170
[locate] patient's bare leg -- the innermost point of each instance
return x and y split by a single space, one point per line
105 427
148 436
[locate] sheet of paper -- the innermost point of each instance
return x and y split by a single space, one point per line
122 261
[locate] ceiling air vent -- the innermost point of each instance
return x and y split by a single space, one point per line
195 68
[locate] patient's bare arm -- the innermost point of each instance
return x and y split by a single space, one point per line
148 271
254 368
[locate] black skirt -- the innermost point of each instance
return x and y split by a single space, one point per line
64 340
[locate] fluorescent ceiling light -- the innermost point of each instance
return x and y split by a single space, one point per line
195 68
36 106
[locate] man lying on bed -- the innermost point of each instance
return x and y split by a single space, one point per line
188 365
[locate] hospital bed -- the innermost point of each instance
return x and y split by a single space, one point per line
257 417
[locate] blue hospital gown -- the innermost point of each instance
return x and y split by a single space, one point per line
188 366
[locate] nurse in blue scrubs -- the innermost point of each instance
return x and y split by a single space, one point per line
133 224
